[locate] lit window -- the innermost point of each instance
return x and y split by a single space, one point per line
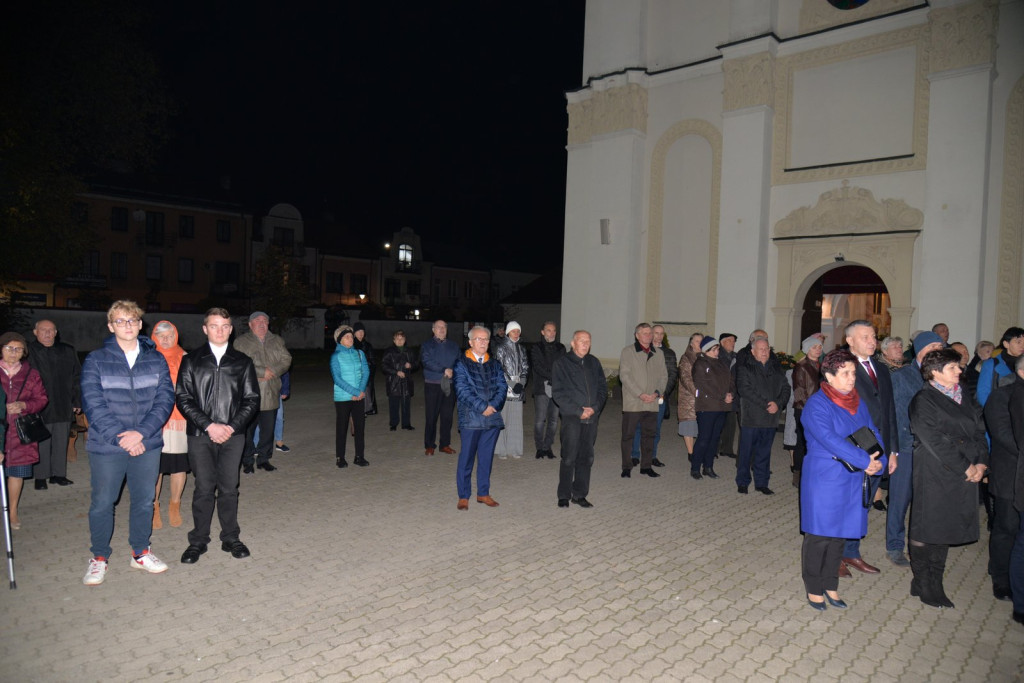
405 254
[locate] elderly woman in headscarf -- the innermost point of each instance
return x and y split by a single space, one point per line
174 455
806 381
25 396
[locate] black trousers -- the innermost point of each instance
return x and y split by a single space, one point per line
577 441
438 405
394 404
261 452
343 411
215 468
820 556
1005 524
727 443
648 421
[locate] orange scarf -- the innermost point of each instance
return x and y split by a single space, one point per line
173 356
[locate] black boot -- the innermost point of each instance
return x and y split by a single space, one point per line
922 585
937 564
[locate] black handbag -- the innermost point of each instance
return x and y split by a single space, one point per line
864 439
30 427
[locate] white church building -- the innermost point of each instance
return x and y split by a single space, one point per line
726 156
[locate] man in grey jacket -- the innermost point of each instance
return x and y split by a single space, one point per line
271 359
643 376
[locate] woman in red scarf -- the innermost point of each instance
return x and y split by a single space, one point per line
831 497
174 456
25 395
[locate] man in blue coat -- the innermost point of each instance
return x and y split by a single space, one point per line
127 395
438 356
480 386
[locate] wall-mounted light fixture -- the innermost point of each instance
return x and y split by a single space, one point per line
840 258
606 231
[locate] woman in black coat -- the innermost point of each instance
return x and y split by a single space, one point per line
950 458
364 345
398 364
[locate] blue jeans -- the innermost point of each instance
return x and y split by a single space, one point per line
900 494
278 426
657 434
107 474
756 446
709 430
477 444
1017 569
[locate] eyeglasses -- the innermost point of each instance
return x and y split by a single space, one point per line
12 349
480 339
130 322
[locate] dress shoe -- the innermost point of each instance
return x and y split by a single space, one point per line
266 467
878 505
563 502
446 449
709 473
625 474
765 490
649 472
898 558
728 455
636 463
583 502
41 485
361 462
741 489
248 469
541 455
1001 593
1018 617
549 454
860 565
428 451
820 606
61 481
657 463
192 553
844 572
696 475
836 602
341 463
392 428
488 501
236 548
408 427
463 504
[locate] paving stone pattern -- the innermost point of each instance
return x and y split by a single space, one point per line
371 574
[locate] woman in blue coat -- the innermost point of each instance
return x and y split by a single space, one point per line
350 373
831 497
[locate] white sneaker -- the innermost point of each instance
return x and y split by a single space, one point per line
150 562
96 573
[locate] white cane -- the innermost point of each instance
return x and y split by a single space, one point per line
7 528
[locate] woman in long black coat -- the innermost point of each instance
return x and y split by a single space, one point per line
398 364
950 458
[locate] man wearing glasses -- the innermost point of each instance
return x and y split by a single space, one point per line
127 395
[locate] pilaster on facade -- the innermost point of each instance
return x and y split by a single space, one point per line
963 35
609 105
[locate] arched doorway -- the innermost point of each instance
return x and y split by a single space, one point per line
841 295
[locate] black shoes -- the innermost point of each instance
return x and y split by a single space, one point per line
837 603
1002 593
741 489
545 453
540 455
393 427
41 485
696 475
710 473
657 463
340 462
236 548
765 490
635 463
60 481
583 502
248 469
192 553
878 505
361 462
820 606
649 472
409 427
625 474
266 467
563 502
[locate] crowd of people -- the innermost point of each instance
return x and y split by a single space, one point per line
939 431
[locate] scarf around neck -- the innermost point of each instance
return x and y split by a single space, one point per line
847 402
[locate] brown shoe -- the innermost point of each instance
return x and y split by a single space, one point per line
447 449
488 501
844 573
174 513
157 522
860 565
428 451
463 504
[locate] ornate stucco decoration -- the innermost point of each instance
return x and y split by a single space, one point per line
818 14
1011 222
608 111
749 81
848 210
786 67
963 35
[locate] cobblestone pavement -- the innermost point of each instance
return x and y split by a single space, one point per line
371 574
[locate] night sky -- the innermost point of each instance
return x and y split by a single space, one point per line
448 117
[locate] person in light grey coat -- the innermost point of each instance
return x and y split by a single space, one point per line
514 361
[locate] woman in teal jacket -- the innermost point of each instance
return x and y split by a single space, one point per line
350 373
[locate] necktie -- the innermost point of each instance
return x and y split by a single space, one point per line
871 372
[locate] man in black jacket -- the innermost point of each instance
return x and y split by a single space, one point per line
543 354
1017 554
218 394
579 389
764 392
57 364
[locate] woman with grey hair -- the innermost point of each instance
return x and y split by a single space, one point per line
174 454
891 353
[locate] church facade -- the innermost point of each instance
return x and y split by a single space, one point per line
725 155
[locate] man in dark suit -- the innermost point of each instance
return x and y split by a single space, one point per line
874 388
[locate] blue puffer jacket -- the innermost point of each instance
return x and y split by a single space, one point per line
117 398
478 385
350 372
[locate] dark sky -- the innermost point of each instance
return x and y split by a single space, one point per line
448 117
